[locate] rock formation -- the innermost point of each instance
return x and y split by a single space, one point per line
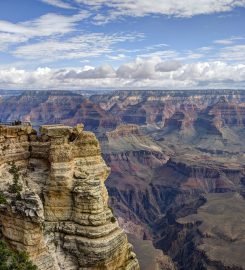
55 205
167 150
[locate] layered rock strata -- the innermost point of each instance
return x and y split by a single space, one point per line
60 215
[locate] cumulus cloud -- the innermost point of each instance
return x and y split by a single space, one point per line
140 73
168 66
18 78
102 72
139 69
216 73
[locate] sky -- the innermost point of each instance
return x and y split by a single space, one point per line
122 44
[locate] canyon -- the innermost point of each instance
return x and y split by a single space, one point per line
177 181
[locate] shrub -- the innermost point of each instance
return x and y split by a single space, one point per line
113 219
2 198
11 260
16 187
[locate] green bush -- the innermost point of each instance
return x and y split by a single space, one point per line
2 198
113 219
16 187
10 260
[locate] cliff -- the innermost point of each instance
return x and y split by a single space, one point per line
55 204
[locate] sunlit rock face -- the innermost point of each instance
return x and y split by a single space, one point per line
60 216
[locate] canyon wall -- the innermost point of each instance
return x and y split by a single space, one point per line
172 154
56 204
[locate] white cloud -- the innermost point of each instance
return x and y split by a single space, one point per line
172 55
19 78
51 24
223 41
205 49
211 72
168 66
232 53
139 69
81 46
58 3
164 54
53 37
140 73
7 39
48 25
192 55
168 7
228 41
119 56
104 71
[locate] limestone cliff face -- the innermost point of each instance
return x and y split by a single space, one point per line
61 215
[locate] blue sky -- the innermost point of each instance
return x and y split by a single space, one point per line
157 44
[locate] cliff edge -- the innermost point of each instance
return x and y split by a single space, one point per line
54 204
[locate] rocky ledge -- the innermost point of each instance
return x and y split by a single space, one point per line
53 201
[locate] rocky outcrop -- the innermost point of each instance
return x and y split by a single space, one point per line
228 113
124 131
56 204
217 229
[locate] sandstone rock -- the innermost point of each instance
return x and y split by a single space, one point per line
79 128
61 217
56 130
